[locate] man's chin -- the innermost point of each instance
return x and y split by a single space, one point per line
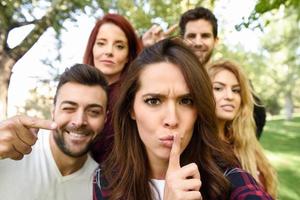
200 55
77 154
204 59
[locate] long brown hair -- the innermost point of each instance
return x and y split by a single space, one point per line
127 170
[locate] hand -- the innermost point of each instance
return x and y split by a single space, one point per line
155 34
181 182
19 133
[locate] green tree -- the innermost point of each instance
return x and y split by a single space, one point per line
283 53
143 13
278 58
45 14
40 15
268 6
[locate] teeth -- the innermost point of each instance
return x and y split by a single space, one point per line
76 135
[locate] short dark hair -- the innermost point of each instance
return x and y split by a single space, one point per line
195 14
82 74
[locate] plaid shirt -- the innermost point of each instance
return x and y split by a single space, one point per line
243 186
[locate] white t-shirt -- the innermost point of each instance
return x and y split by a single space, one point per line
160 186
37 177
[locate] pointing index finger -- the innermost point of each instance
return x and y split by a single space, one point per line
174 159
33 122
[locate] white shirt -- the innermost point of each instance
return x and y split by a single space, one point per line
160 186
37 177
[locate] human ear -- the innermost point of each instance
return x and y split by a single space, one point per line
216 41
132 114
52 112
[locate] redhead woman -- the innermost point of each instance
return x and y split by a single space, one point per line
234 110
111 47
166 135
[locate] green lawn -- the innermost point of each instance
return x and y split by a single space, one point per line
281 140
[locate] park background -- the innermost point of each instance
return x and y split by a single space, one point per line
40 38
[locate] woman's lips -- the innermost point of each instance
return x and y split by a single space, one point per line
167 141
107 62
228 107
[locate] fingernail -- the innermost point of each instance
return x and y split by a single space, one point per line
53 125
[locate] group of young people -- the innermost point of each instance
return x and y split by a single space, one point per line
162 122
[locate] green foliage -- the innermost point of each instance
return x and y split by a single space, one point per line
281 141
283 53
41 14
40 102
274 69
143 13
263 7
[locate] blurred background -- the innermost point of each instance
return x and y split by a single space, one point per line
40 38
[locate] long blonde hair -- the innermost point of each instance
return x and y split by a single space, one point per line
240 132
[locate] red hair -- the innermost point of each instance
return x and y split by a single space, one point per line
134 44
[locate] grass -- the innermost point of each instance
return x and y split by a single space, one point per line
281 140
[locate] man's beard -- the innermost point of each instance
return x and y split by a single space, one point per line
205 57
60 141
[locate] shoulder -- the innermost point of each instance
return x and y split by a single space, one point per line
244 186
91 163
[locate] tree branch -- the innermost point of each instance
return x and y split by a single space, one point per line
41 25
16 24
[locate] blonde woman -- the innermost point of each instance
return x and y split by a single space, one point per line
234 110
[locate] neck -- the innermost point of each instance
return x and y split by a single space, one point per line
158 169
65 163
205 64
112 79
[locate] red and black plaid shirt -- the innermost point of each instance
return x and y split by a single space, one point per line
244 186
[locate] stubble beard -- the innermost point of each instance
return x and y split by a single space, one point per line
60 142
205 57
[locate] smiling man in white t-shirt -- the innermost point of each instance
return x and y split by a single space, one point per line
58 165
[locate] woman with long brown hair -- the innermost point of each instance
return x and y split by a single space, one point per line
166 137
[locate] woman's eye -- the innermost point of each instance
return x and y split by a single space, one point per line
236 90
217 88
120 46
100 43
152 101
187 101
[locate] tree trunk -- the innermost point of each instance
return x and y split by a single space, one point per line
6 64
288 106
